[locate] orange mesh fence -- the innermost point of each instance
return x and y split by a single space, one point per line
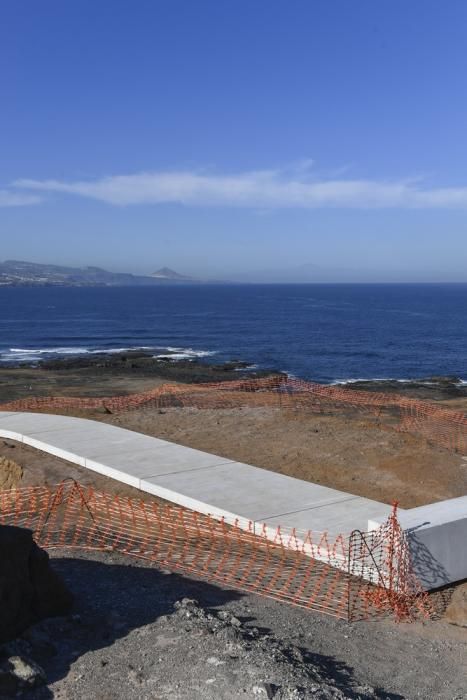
437 424
353 578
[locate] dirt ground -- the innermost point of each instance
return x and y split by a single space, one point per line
24 382
120 646
349 451
354 454
127 641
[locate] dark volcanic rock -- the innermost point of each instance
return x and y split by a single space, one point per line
430 388
143 363
29 588
287 672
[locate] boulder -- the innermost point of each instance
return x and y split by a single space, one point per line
19 673
29 588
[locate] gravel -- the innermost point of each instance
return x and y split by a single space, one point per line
139 632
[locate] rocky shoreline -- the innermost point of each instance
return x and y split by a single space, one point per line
113 374
168 365
430 388
102 370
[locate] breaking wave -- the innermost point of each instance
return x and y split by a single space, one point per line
374 380
22 355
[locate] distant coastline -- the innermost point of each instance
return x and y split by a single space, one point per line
19 273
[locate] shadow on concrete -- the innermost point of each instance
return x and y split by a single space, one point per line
428 570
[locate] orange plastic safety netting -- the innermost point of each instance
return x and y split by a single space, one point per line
356 577
437 424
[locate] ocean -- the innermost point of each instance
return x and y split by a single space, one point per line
324 332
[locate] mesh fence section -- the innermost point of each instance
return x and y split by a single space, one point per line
350 577
437 424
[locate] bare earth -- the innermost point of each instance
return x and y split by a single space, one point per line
350 453
129 642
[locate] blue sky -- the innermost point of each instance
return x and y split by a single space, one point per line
229 137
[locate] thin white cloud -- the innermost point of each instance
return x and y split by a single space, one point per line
17 199
262 189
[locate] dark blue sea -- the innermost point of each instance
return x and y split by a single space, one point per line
323 332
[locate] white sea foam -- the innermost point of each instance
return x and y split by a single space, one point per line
289 374
32 354
355 380
425 382
44 351
184 354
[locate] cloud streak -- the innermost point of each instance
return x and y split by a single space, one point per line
17 199
267 189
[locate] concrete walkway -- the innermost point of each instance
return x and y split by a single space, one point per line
198 480
239 492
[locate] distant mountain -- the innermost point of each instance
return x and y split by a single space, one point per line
165 273
14 273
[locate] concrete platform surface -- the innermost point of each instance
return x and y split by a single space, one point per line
192 478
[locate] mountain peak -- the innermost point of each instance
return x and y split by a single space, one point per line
168 274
